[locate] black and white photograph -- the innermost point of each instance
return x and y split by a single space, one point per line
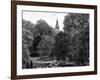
54 39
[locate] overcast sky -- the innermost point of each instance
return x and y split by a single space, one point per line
49 17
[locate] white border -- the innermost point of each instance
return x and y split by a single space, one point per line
21 71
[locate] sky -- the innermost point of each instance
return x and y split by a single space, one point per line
49 17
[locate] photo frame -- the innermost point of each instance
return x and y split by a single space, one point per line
77 22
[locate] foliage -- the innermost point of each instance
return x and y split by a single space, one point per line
61 47
42 27
27 38
77 27
75 22
46 45
43 35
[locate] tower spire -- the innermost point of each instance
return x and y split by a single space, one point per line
57 26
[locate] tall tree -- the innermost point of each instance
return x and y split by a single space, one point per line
43 35
76 25
27 38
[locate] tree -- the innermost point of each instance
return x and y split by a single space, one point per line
75 22
77 27
28 25
42 27
46 45
61 48
27 38
42 34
